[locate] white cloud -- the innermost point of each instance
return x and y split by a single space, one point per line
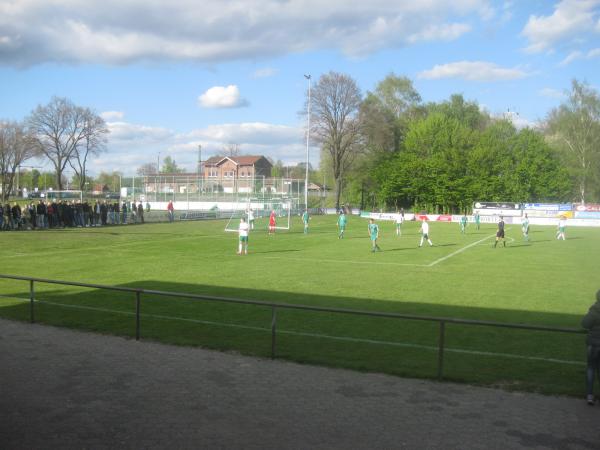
472 71
132 145
112 116
222 97
265 72
571 19
551 93
573 56
125 133
126 31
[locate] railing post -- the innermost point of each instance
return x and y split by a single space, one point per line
137 315
441 350
31 301
273 331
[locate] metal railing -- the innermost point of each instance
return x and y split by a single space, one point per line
137 292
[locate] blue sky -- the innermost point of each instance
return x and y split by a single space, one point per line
169 76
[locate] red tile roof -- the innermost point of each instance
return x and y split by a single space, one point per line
239 160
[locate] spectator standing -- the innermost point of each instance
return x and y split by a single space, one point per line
140 211
591 322
171 211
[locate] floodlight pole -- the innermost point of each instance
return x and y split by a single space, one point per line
307 143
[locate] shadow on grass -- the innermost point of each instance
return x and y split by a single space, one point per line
540 361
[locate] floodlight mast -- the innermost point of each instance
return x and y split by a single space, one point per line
308 77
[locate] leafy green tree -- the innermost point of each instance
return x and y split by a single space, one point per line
170 166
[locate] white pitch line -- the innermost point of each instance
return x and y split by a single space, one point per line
322 336
460 250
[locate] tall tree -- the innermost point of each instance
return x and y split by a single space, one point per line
93 143
574 127
16 146
334 117
170 166
59 128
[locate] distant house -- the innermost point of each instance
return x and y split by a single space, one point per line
236 173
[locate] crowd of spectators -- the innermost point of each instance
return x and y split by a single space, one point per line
70 214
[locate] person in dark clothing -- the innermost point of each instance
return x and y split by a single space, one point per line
32 215
500 233
16 215
103 213
591 322
140 210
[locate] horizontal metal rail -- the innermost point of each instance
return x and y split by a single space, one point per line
442 321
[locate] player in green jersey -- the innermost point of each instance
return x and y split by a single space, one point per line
305 219
477 220
562 225
463 224
374 235
341 223
525 227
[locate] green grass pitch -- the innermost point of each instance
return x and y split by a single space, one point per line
540 282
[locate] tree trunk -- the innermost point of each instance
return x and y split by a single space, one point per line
338 192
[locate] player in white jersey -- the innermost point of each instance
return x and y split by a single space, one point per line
399 221
251 218
243 230
425 233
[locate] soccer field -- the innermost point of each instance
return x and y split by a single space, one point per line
540 282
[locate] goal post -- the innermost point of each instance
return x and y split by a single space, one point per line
284 207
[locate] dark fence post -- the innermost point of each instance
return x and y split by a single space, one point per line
31 300
441 350
137 315
273 331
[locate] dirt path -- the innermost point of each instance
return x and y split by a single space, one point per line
68 389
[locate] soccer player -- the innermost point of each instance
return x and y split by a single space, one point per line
251 218
374 235
477 219
243 236
425 233
341 223
305 219
562 224
525 227
399 220
500 233
272 222
463 224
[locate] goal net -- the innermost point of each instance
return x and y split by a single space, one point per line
259 211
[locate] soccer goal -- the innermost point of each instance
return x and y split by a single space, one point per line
261 208
239 209
284 209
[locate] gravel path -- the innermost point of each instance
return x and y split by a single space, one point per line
68 389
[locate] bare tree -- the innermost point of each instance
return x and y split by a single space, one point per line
335 104
147 169
16 146
93 143
232 149
59 128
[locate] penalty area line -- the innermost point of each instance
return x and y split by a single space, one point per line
460 250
